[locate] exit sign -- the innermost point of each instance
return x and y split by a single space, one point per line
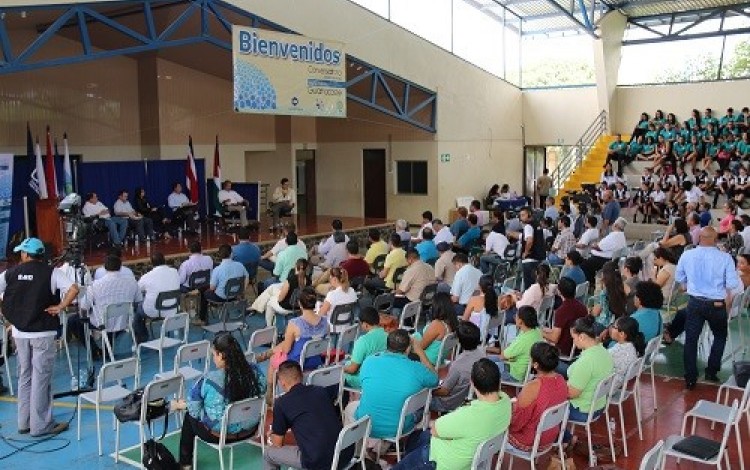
445 157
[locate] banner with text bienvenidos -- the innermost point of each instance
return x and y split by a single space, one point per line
278 73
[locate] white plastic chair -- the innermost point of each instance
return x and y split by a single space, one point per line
582 292
166 388
249 409
312 348
231 312
171 324
344 342
727 420
649 358
487 450
546 311
652 459
263 337
420 401
518 384
447 351
113 314
716 412
630 389
183 361
329 376
553 418
410 311
5 355
603 391
109 373
355 433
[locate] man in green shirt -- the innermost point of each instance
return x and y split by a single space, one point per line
514 360
288 257
373 341
453 439
617 150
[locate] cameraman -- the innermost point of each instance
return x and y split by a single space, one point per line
31 304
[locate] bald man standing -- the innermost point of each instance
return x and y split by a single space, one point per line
709 275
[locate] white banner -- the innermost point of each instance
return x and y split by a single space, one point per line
6 198
278 73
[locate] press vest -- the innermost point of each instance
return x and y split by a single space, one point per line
28 293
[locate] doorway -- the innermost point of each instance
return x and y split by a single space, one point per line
535 159
373 189
306 188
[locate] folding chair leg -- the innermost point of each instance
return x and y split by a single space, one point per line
739 443
221 459
592 455
195 452
98 430
653 386
117 441
161 360
609 433
622 430
78 416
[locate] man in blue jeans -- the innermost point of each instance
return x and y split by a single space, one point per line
709 275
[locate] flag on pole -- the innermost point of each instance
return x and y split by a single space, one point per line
191 176
37 181
67 172
217 177
49 169
29 143
59 190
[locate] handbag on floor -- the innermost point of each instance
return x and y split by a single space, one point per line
156 456
741 370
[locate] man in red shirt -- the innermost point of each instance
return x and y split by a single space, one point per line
569 311
354 265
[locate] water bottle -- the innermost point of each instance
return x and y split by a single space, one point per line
74 383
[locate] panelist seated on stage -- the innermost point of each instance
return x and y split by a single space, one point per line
283 201
144 207
233 202
182 208
143 226
99 213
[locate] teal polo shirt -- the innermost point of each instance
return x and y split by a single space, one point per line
635 148
712 150
372 342
681 149
388 379
668 134
617 146
286 259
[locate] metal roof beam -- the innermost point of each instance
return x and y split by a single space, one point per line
571 16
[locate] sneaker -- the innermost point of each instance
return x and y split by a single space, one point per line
712 377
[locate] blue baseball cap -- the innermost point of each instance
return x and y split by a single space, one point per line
32 246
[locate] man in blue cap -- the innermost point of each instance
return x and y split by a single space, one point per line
31 303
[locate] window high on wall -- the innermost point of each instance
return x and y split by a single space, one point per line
481 32
557 61
687 60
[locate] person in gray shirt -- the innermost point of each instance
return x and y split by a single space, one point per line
455 388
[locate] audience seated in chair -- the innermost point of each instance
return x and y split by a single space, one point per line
382 397
514 360
417 276
161 278
226 270
268 260
444 322
234 379
445 270
454 389
396 259
354 265
570 310
465 282
372 341
453 439
278 297
246 252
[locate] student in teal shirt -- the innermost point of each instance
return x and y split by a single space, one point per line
713 147
729 145
668 133
648 302
634 149
743 147
681 149
708 119
727 118
652 132
695 119
647 152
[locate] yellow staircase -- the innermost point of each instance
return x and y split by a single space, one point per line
591 168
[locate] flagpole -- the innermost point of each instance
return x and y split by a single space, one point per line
75 176
26 223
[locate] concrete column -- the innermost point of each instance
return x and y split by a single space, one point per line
607 55
148 106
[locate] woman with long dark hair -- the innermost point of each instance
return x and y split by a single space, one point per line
629 345
234 379
444 321
612 298
482 307
142 206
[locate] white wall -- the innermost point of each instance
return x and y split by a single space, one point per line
679 99
558 116
478 113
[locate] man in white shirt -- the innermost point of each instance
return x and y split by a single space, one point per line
693 195
144 226
233 202
325 246
494 250
426 223
117 226
337 253
589 237
161 278
550 210
605 250
465 283
442 232
182 208
283 201
196 262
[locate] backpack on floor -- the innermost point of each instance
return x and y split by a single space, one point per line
156 456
